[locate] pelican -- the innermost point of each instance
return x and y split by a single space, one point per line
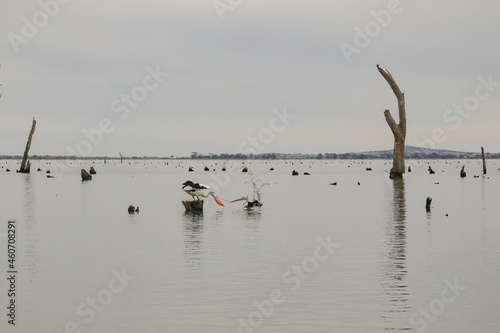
197 190
248 204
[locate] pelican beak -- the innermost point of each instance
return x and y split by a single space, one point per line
239 199
218 201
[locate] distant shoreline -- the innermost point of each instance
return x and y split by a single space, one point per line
411 152
472 156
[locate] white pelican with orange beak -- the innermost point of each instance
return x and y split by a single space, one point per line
249 205
197 190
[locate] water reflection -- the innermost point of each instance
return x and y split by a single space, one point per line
27 236
28 232
193 240
394 289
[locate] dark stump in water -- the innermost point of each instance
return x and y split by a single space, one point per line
132 209
463 174
195 206
428 204
86 175
92 171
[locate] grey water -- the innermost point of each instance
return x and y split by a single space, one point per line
315 258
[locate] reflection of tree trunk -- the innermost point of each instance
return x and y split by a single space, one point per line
193 244
395 290
398 130
25 164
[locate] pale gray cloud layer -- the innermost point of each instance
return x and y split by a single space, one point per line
226 77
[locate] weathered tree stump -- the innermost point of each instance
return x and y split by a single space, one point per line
190 169
245 169
92 170
409 168
131 209
463 174
428 204
431 171
195 206
86 175
398 129
25 164
295 173
206 169
484 161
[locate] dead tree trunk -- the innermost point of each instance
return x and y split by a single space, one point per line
484 161
25 164
428 202
85 175
195 206
398 130
121 157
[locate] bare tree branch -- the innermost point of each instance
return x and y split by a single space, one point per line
398 130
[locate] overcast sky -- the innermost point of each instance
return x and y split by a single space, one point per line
230 63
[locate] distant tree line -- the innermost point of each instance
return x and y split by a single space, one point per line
274 156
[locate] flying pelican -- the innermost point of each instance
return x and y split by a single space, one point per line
197 190
248 204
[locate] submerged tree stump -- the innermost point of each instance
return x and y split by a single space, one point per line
92 170
25 164
428 204
463 174
195 206
484 161
86 175
398 129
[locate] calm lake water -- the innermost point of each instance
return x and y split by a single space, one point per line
315 258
